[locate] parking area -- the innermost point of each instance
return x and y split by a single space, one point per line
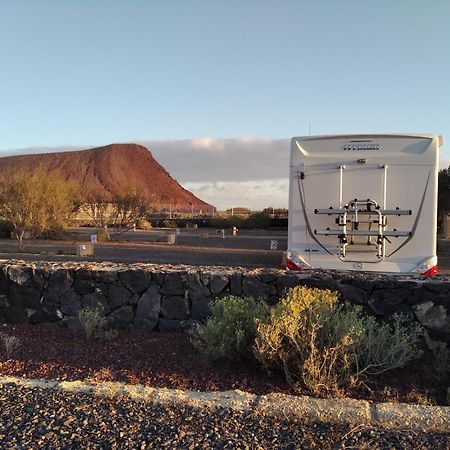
201 247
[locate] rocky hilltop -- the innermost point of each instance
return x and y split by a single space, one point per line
109 170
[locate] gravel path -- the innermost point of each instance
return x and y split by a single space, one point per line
32 418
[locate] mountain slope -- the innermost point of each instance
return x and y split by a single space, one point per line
109 170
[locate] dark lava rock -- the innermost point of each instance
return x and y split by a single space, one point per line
142 324
285 282
118 296
173 307
200 308
149 304
254 287
173 284
236 284
83 287
169 325
218 283
136 280
96 300
60 280
29 297
15 314
196 288
70 303
353 294
120 318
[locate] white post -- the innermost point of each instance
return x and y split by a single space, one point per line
341 182
385 186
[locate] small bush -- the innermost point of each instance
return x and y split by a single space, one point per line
92 321
102 235
144 224
230 331
329 346
54 234
168 223
10 344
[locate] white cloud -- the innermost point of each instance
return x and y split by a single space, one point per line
206 144
255 195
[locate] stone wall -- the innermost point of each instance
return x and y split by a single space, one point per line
169 298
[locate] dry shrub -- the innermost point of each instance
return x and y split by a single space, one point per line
93 323
231 329
10 344
329 346
102 235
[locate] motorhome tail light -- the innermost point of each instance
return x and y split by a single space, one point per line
431 272
292 266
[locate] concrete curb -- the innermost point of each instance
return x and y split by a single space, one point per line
346 411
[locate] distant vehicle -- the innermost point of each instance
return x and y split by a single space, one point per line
364 203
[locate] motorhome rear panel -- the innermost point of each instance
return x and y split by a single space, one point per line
364 202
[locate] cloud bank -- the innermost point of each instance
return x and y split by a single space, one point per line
214 160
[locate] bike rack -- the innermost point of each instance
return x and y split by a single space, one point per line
358 212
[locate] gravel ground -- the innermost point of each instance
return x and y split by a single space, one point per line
31 418
170 360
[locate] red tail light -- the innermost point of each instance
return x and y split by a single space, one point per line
431 272
292 266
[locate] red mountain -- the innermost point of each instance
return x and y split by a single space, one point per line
110 170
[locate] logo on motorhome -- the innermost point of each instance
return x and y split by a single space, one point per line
362 147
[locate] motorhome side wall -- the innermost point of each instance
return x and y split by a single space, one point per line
394 172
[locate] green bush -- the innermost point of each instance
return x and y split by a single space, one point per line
329 346
259 220
6 228
230 331
219 222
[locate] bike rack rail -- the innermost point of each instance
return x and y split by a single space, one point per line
358 212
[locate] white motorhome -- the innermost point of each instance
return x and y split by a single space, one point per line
364 202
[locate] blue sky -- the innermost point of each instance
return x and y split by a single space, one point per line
87 73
